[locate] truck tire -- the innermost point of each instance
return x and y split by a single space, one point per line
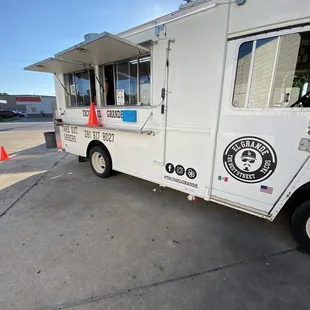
100 162
300 225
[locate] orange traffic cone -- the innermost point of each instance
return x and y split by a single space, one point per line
92 117
3 154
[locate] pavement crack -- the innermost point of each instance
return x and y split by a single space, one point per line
176 279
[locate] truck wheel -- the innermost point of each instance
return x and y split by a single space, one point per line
100 162
300 225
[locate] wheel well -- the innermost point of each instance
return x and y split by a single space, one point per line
299 196
97 143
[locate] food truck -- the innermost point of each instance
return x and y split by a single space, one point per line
212 100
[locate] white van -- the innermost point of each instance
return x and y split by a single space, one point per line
211 100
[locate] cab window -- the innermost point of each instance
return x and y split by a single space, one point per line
273 72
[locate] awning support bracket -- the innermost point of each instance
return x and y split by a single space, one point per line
96 77
63 86
141 130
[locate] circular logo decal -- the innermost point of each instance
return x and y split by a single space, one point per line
250 159
191 173
179 170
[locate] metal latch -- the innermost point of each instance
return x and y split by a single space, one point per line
304 145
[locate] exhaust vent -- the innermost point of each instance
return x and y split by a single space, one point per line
190 3
90 36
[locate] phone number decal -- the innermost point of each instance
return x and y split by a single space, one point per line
95 135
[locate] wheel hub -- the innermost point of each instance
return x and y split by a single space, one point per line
98 162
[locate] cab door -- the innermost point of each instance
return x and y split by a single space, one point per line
262 122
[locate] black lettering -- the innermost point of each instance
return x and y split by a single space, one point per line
87 134
70 138
66 129
109 137
96 135
114 113
74 130
181 181
85 112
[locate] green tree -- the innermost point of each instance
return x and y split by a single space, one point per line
300 80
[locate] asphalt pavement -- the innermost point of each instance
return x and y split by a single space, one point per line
70 240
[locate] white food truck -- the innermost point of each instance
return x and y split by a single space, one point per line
211 100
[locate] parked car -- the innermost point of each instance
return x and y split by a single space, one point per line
19 113
8 114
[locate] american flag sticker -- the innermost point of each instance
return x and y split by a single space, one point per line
224 179
266 189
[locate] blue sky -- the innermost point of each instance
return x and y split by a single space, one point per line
32 30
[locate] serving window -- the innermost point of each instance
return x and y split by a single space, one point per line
80 87
128 82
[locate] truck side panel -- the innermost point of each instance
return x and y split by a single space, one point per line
196 67
260 15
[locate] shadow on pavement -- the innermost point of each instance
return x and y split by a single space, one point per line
41 148
23 170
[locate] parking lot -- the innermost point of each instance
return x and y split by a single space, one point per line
70 240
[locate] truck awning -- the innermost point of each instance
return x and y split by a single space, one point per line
105 48
55 65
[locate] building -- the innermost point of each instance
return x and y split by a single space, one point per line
33 105
9 103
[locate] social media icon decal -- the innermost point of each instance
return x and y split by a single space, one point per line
170 168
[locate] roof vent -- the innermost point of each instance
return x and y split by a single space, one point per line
90 36
190 3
